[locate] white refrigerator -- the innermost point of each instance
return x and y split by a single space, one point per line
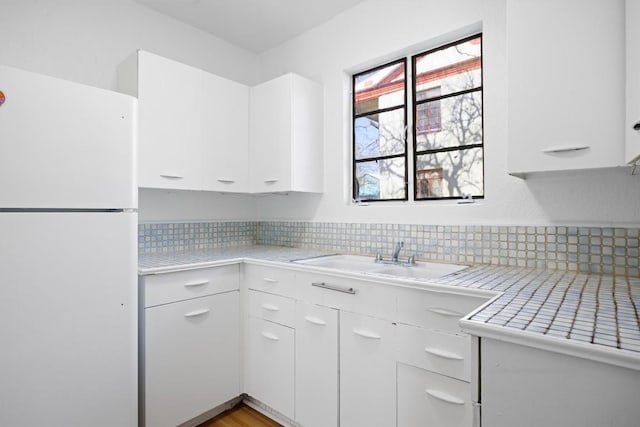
68 254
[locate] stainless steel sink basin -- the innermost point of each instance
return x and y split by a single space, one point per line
367 265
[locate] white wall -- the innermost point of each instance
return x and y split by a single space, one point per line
379 30
85 40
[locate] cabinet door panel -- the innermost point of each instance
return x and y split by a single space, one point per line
191 358
429 399
270 365
316 365
560 97
225 127
367 371
169 130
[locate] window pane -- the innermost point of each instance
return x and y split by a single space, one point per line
449 122
378 89
381 179
379 134
453 69
450 174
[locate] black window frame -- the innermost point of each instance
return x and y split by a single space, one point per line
415 151
355 115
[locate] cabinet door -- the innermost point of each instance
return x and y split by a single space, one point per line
169 131
367 371
270 135
566 84
191 358
632 15
270 365
429 399
316 371
225 127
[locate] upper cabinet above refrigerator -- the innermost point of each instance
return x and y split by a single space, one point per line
632 125
566 90
65 145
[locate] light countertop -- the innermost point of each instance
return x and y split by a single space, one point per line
586 315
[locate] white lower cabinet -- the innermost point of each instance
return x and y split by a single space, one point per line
429 399
367 371
191 357
269 374
316 371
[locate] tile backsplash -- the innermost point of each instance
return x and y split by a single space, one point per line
587 249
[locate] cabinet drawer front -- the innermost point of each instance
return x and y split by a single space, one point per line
438 310
428 399
170 287
274 308
346 294
269 279
438 352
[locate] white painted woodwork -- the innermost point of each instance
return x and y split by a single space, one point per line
171 287
274 308
367 371
193 125
447 354
566 67
429 399
269 369
316 369
285 135
274 280
632 91
65 145
225 134
68 319
191 343
528 387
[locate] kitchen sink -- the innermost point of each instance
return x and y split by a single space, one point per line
367 265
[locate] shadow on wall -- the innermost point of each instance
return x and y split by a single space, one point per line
610 196
289 206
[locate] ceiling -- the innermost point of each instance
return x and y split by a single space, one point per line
256 25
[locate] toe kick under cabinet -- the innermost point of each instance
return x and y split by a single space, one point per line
190 344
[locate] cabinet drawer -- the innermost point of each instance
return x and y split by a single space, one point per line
438 310
269 279
428 399
353 295
442 353
170 287
274 308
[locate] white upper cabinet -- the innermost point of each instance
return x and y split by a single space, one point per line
566 67
632 15
225 126
286 123
192 126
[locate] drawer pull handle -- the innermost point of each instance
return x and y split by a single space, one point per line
445 397
270 336
226 180
270 307
445 312
315 320
171 176
271 181
565 149
367 334
324 285
443 353
269 280
196 284
196 313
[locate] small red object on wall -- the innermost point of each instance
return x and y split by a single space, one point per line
2 98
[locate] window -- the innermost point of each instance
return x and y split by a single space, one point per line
447 129
380 133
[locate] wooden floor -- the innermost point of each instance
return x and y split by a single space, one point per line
241 416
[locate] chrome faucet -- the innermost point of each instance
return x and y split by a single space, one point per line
396 251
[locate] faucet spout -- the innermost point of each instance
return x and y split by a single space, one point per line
396 251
